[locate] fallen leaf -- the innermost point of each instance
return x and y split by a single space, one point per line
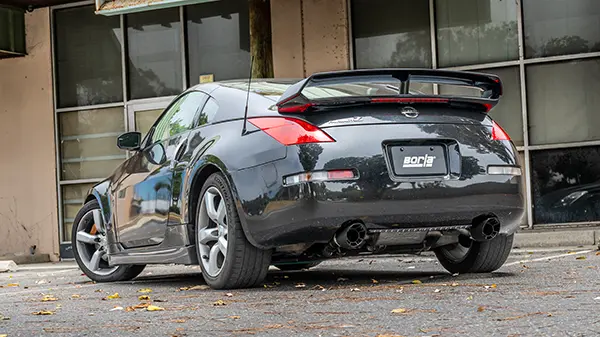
75 296
549 315
374 281
570 252
112 297
229 295
320 287
98 290
454 284
234 317
597 253
43 312
41 282
436 291
481 308
529 253
12 285
580 258
145 290
219 302
117 308
494 286
597 298
141 306
4 318
455 274
129 309
198 287
49 298
3 335
470 298
300 285
179 321
154 308
158 300
416 282
144 298
342 279
399 311
354 289
285 276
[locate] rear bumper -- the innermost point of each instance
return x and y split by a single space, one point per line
313 212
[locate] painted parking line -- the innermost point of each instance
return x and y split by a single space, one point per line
549 257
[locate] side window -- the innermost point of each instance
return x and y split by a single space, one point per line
208 113
179 117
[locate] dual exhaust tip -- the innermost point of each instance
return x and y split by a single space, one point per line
354 236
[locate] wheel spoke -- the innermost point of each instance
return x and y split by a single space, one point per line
207 235
209 202
95 260
222 243
87 238
221 212
213 268
98 220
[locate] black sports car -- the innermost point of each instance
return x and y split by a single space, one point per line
237 176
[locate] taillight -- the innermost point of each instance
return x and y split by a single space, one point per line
498 133
290 131
314 176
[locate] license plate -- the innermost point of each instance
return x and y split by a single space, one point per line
428 160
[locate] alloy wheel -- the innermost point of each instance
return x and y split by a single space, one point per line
92 244
212 231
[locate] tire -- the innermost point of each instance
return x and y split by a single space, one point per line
243 265
83 221
481 257
297 266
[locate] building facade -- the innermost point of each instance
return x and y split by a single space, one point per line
87 78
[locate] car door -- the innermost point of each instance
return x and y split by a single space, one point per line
145 194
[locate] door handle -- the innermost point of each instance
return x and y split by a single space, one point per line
179 150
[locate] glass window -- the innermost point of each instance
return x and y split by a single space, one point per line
218 40
144 119
88 57
559 27
154 53
179 117
563 101
208 113
73 197
566 185
508 111
476 31
391 33
88 142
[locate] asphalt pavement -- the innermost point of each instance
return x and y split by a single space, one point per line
536 293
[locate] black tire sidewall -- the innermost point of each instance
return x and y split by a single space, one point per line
477 254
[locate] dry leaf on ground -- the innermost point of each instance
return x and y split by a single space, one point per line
49 298
597 253
4 318
436 291
179 320
198 287
399 311
117 308
229 295
43 313
580 258
219 303
154 308
481 308
416 282
75 296
145 290
300 285
374 281
12 285
234 317
144 298
112 297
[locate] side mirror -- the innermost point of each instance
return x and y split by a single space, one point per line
129 141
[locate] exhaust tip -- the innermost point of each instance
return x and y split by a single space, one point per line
352 237
486 229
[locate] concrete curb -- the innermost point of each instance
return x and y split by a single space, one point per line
7 266
557 237
26 259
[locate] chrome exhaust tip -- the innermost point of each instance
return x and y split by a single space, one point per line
351 237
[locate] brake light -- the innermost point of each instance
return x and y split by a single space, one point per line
409 100
498 133
295 108
291 131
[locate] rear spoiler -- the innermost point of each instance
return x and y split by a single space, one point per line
293 101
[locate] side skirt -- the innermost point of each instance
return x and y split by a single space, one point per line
154 255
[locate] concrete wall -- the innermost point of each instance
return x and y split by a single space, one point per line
309 36
28 201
